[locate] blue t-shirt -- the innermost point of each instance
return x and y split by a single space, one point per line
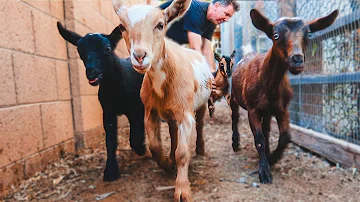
194 20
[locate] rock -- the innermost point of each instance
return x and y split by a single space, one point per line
254 184
241 180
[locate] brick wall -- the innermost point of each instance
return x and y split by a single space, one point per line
46 104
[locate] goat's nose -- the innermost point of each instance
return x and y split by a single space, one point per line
139 55
298 58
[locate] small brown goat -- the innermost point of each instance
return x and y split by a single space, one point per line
223 73
176 84
260 84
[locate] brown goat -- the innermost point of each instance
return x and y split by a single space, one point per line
222 74
176 84
260 84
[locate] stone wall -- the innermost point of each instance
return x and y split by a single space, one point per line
47 106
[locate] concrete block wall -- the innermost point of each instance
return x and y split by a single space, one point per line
47 106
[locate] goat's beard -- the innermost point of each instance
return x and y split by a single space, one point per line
296 70
142 69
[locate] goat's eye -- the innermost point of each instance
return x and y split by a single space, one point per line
160 26
276 36
108 49
309 35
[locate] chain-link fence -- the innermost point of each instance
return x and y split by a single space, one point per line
327 93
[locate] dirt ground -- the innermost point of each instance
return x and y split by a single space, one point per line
221 175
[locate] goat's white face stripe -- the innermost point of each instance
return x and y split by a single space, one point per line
121 9
138 13
288 18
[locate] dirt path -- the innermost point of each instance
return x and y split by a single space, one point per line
218 176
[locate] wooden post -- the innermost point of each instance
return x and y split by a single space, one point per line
333 149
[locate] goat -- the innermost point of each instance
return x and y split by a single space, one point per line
177 82
261 86
222 74
119 90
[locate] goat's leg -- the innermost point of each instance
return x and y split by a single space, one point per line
260 144
211 106
284 137
227 98
182 155
235 120
152 125
200 144
137 134
111 171
266 126
173 129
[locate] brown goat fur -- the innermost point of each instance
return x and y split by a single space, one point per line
261 86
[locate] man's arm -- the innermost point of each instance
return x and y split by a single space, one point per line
207 51
203 46
194 41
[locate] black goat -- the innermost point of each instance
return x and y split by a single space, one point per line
119 90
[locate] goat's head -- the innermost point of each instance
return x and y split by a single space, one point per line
144 27
226 64
95 51
290 36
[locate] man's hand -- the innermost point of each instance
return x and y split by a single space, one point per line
208 52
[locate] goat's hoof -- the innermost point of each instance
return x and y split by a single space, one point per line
235 142
167 165
139 149
265 175
236 147
111 173
200 151
182 192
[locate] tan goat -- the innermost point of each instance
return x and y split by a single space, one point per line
177 83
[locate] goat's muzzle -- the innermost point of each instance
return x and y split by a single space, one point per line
142 69
296 64
93 76
96 81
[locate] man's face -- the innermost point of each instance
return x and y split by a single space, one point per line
221 13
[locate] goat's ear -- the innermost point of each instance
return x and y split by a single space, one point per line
217 57
324 22
232 54
176 10
115 37
261 22
118 6
69 36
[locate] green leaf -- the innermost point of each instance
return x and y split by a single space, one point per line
314 49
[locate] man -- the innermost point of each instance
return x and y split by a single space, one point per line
198 25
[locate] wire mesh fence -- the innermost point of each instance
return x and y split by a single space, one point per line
327 94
